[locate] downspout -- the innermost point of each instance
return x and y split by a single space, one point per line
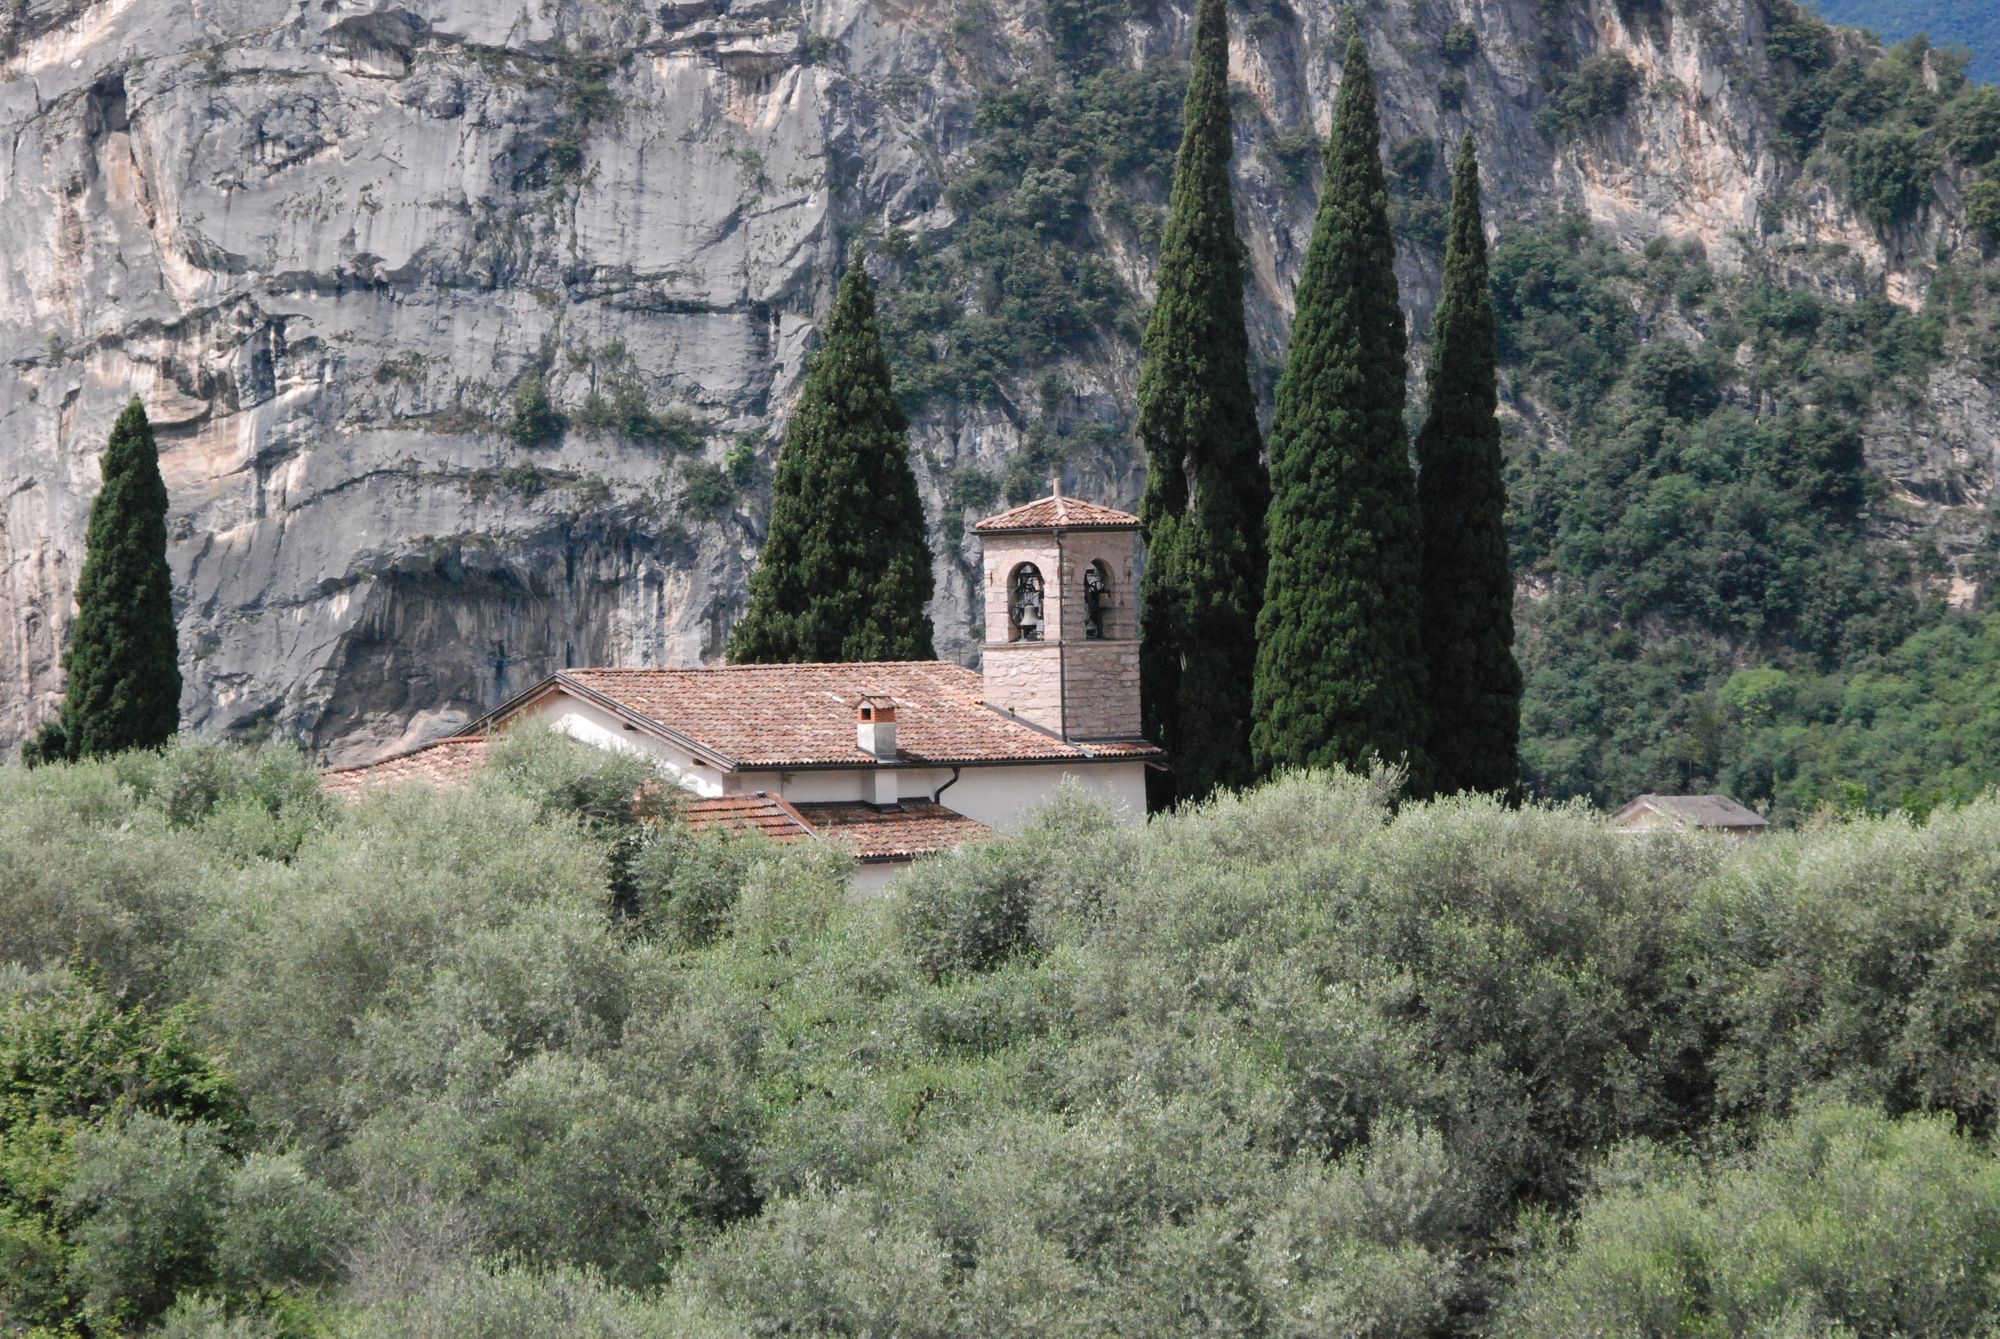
938 796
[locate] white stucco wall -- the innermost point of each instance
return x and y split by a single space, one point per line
590 724
1001 797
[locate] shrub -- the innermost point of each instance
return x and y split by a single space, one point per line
980 904
280 1228
1594 92
535 420
1982 211
1461 43
1889 172
146 1193
1793 1239
1863 961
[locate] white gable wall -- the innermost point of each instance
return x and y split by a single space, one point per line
591 724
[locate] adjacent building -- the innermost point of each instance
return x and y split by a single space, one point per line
1689 813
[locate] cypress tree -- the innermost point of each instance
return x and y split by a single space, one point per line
1206 491
123 662
1475 686
1339 652
846 569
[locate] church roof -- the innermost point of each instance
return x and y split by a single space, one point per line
751 717
443 762
1056 512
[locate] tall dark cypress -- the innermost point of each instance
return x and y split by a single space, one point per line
1475 686
1206 490
1340 667
124 662
846 569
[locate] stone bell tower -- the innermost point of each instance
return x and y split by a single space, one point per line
1062 616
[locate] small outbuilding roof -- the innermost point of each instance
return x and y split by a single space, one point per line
1057 512
1715 812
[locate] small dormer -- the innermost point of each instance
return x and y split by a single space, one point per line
1062 627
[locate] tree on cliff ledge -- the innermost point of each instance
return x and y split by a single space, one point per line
1475 685
123 662
1203 509
846 568
1340 663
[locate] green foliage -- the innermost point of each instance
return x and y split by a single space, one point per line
1461 43
584 96
621 403
707 490
1945 21
1339 674
1859 962
91 1224
1206 492
1982 211
1596 91
1468 587
1889 170
1021 280
1295 1061
535 420
1680 535
1889 122
123 661
1910 728
845 571
1793 1239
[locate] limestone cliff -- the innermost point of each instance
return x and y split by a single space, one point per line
469 327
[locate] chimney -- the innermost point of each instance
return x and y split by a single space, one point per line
875 734
875 726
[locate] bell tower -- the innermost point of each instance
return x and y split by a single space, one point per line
1062 616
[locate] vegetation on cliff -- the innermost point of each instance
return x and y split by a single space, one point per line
1705 524
504 1061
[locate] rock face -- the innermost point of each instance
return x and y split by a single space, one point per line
358 258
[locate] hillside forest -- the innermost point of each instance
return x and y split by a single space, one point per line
1965 23
516 1060
1721 585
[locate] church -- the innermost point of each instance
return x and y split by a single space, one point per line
892 760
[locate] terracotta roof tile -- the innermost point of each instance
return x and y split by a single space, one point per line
916 828
766 815
766 716
1058 512
444 762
